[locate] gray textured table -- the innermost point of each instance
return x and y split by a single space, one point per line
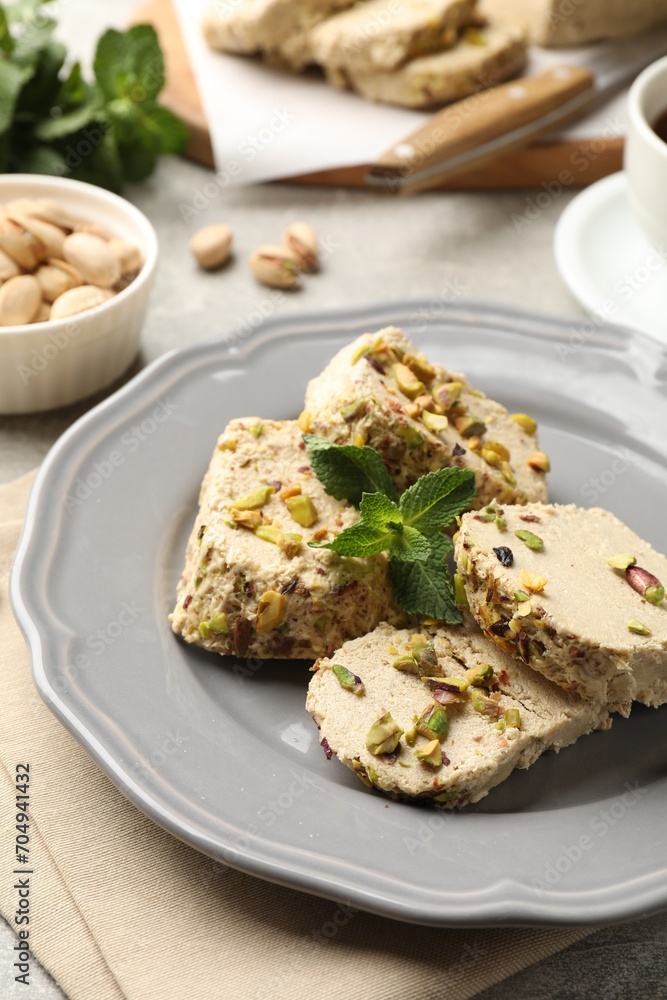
434 245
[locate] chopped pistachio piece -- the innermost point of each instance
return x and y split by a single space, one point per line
525 422
460 683
513 718
270 611
460 595
255 500
481 675
419 366
407 381
256 430
507 473
447 394
430 754
411 735
347 679
500 449
250 519
655 595
533 542
539 461
435 422
268 533
622 561
289 543
302 510
521 595
384 735
532 582
216 625
636 626
434 723
411 436
354 409
470 426
361 773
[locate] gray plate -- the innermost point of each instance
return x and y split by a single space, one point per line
223 754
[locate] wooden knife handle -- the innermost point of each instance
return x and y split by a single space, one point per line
460 128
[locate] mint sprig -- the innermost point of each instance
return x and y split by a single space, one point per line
106 131
409 529
347 472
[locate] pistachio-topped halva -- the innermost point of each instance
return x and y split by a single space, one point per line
381 391
251 585
574 593
440 713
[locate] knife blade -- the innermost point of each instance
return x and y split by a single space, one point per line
563 85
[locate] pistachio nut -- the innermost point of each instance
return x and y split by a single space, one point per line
435 422
92 257
407 381
420 366
21 245
513 718
270 611
8 267
302 510
275 266
634 625
94 229
56 277
216 625
532 582
470 426
301 240
430 754
622 561
211 246
254 500
348 680
539 461
128 254
52 237
20 299
525 422
78 300
384 735
47 209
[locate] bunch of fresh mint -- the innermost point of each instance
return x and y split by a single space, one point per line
53 122
410 529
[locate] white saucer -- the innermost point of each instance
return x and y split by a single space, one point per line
607 262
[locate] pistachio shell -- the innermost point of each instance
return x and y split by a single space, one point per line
47 209
211 246
43 313
20 298
21 245
78 300
128 254
95 229
275 266
55 280
8 267
97 264
51 236
301 240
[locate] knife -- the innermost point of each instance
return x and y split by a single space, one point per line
495 122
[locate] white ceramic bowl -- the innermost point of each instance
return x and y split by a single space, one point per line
646 153
45 365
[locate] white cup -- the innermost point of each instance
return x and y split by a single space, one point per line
646 154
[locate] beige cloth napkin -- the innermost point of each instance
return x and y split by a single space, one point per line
120 909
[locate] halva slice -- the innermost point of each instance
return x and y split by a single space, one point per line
251 26
574 22
441 714
484 57
379 36
574 593
251 585
381 391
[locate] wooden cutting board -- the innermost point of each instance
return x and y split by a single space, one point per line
543 163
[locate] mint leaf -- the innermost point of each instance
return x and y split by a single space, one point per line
358 540
347 472
67 124
409 544
129 64
6 40
437 498
425 587
170 131
12 78
378 510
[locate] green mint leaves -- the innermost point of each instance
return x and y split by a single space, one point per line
108 131
409 529
347 472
